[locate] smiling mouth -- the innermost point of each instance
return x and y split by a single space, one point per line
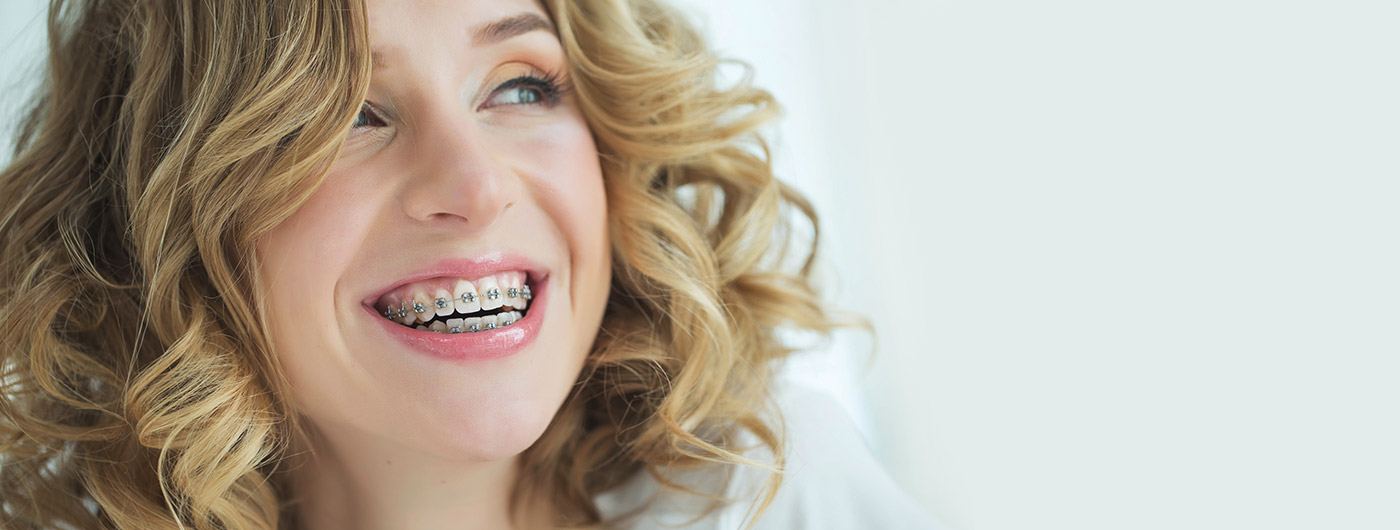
457 305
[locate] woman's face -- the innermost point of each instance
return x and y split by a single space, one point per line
466 173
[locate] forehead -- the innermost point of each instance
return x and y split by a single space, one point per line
405 27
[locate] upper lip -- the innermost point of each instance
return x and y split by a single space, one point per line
469 268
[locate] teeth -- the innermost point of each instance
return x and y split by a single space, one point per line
405 313
515 292
415 303
466 300
490 293
473 324
420 305
442 303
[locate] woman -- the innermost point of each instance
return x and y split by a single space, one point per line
402 264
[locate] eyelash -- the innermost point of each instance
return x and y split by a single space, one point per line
550 86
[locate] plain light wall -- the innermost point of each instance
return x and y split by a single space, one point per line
1132 264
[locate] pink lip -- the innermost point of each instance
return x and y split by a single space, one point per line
482 345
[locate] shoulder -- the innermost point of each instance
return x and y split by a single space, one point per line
831 480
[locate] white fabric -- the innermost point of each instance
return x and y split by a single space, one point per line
832 482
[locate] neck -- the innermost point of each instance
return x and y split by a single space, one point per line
353 481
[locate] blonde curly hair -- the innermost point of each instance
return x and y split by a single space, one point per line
136 380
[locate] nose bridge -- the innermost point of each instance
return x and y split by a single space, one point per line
457 176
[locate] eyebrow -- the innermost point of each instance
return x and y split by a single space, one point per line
493 32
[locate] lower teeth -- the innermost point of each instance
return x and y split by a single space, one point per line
473 324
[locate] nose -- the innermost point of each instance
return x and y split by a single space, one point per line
461 182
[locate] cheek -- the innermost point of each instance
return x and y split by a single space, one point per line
307 252
302 258
572 193
569 183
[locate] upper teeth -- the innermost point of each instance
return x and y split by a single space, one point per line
423 301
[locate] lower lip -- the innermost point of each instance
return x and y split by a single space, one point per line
479 346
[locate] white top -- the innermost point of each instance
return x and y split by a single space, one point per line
832 481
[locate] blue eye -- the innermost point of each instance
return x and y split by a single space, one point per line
367 118
525 95
529 90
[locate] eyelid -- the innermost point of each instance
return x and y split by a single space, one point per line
552 81
379 112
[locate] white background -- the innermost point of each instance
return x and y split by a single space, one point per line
1133 265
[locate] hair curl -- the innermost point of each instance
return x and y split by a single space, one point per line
137 386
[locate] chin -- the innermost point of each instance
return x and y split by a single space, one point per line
500 440
496 421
